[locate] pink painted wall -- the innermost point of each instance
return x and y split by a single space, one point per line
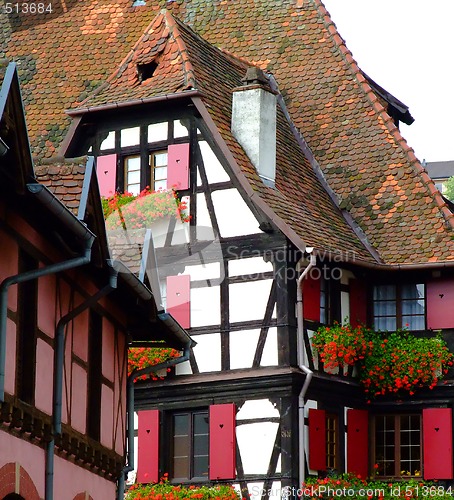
70 479
46 305
121 372
9 266
80 341
10 376
108 349
31 458
79 399
107 415
44 376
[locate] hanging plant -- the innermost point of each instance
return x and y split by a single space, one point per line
400 362
167 491
144 357
387 362
340 345
128 211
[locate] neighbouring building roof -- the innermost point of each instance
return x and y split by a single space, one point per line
353 143
440 169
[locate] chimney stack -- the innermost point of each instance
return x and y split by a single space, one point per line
254 123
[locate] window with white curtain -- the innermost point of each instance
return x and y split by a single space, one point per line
399 306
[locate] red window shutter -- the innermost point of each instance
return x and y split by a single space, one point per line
179 298
178 166
106 170
311 299
358 442
437 443
148 448
358 302
440 296
317 439
222 442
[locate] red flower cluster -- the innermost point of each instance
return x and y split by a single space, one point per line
167 491
142 357
402 362
128 211
341 345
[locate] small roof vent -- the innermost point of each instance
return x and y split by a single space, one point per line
146 71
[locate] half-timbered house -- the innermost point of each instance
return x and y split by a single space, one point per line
307 207
67 314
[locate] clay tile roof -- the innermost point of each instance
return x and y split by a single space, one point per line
65 178
363 157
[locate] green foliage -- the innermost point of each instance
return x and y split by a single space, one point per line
449 186
399 361
341 344
127 211
388 362
354 487
167 491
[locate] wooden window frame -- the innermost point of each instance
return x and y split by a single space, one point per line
398 301
397 446
145 150
332 440
191 477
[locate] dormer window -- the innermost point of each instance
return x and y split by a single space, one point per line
153 155
146 71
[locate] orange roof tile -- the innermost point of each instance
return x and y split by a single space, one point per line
362 155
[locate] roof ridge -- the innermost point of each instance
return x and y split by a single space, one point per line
381 112
174 31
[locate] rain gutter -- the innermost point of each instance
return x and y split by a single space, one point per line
302 366
79 230
58 376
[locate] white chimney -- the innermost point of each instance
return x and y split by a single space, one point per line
254 123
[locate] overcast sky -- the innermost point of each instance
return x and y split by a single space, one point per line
407 47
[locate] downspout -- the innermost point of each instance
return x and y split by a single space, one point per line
58 376
169 321
79 229
302 366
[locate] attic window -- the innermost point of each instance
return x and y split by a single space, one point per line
146 71
138 3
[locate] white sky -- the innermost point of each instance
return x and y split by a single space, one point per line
407 47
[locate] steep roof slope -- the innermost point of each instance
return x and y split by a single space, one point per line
184 61
362 155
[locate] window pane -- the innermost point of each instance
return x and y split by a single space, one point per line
160 173
179 130
133 177
200 423
201 466
130 137
384 308
132 163
157 132
412 291
181 446
160 159
160 185
385 324
385 292
414 322
108 142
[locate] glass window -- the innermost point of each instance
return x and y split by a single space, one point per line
332 441
190 445
399 306
397 445
158 164
132 174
